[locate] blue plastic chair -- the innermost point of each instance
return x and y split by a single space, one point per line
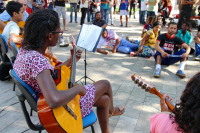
28 94
89 120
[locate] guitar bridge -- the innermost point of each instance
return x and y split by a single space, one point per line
70 111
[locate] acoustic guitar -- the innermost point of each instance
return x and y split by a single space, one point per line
151 89
66 118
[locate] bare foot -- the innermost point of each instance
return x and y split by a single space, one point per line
106 52
65 29
119 110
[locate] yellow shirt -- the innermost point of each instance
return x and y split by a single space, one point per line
152 40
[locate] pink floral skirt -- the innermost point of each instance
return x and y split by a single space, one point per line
86 102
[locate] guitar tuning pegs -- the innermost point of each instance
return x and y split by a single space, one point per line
140 83
142 87
134 78
137 81
148 88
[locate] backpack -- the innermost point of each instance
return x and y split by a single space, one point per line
4 70
2 8
93 8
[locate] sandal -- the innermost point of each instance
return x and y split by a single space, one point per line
121 109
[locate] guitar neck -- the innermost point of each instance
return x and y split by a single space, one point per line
151 89
73 68
168 102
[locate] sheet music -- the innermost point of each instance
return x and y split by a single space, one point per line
88 37
82 35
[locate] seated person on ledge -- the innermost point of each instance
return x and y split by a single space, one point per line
147 48
165 46
42 30
6 17
112 41
12 30
184 118
98 21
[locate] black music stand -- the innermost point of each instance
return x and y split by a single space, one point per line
85 77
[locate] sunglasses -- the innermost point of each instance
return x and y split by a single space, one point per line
60 32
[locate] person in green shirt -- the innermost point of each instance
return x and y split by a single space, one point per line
185 35
152 8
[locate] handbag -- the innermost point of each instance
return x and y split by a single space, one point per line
93 8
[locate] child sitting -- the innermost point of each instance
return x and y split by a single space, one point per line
149 20
12 30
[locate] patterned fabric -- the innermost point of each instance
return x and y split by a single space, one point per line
110 41
147 51
86 102
28 65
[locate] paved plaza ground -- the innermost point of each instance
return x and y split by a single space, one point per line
118 69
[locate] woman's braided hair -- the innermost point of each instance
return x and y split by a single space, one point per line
37 25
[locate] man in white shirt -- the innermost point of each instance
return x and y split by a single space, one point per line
6 17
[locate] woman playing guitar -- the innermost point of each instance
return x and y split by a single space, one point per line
42 30
184 118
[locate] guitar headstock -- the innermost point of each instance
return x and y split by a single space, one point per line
144 84
72 40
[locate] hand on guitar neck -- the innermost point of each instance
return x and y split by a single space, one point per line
164 107
78 54
165 99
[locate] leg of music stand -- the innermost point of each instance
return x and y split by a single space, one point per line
85 77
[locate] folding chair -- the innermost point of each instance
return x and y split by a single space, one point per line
14 49
3 54
3 51
28 94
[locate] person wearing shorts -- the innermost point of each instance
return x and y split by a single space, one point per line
60 9
123 10
166 54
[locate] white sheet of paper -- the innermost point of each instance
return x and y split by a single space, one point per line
82 35
89 36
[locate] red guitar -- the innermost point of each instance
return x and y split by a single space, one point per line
151 89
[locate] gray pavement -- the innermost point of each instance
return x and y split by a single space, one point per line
116 68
